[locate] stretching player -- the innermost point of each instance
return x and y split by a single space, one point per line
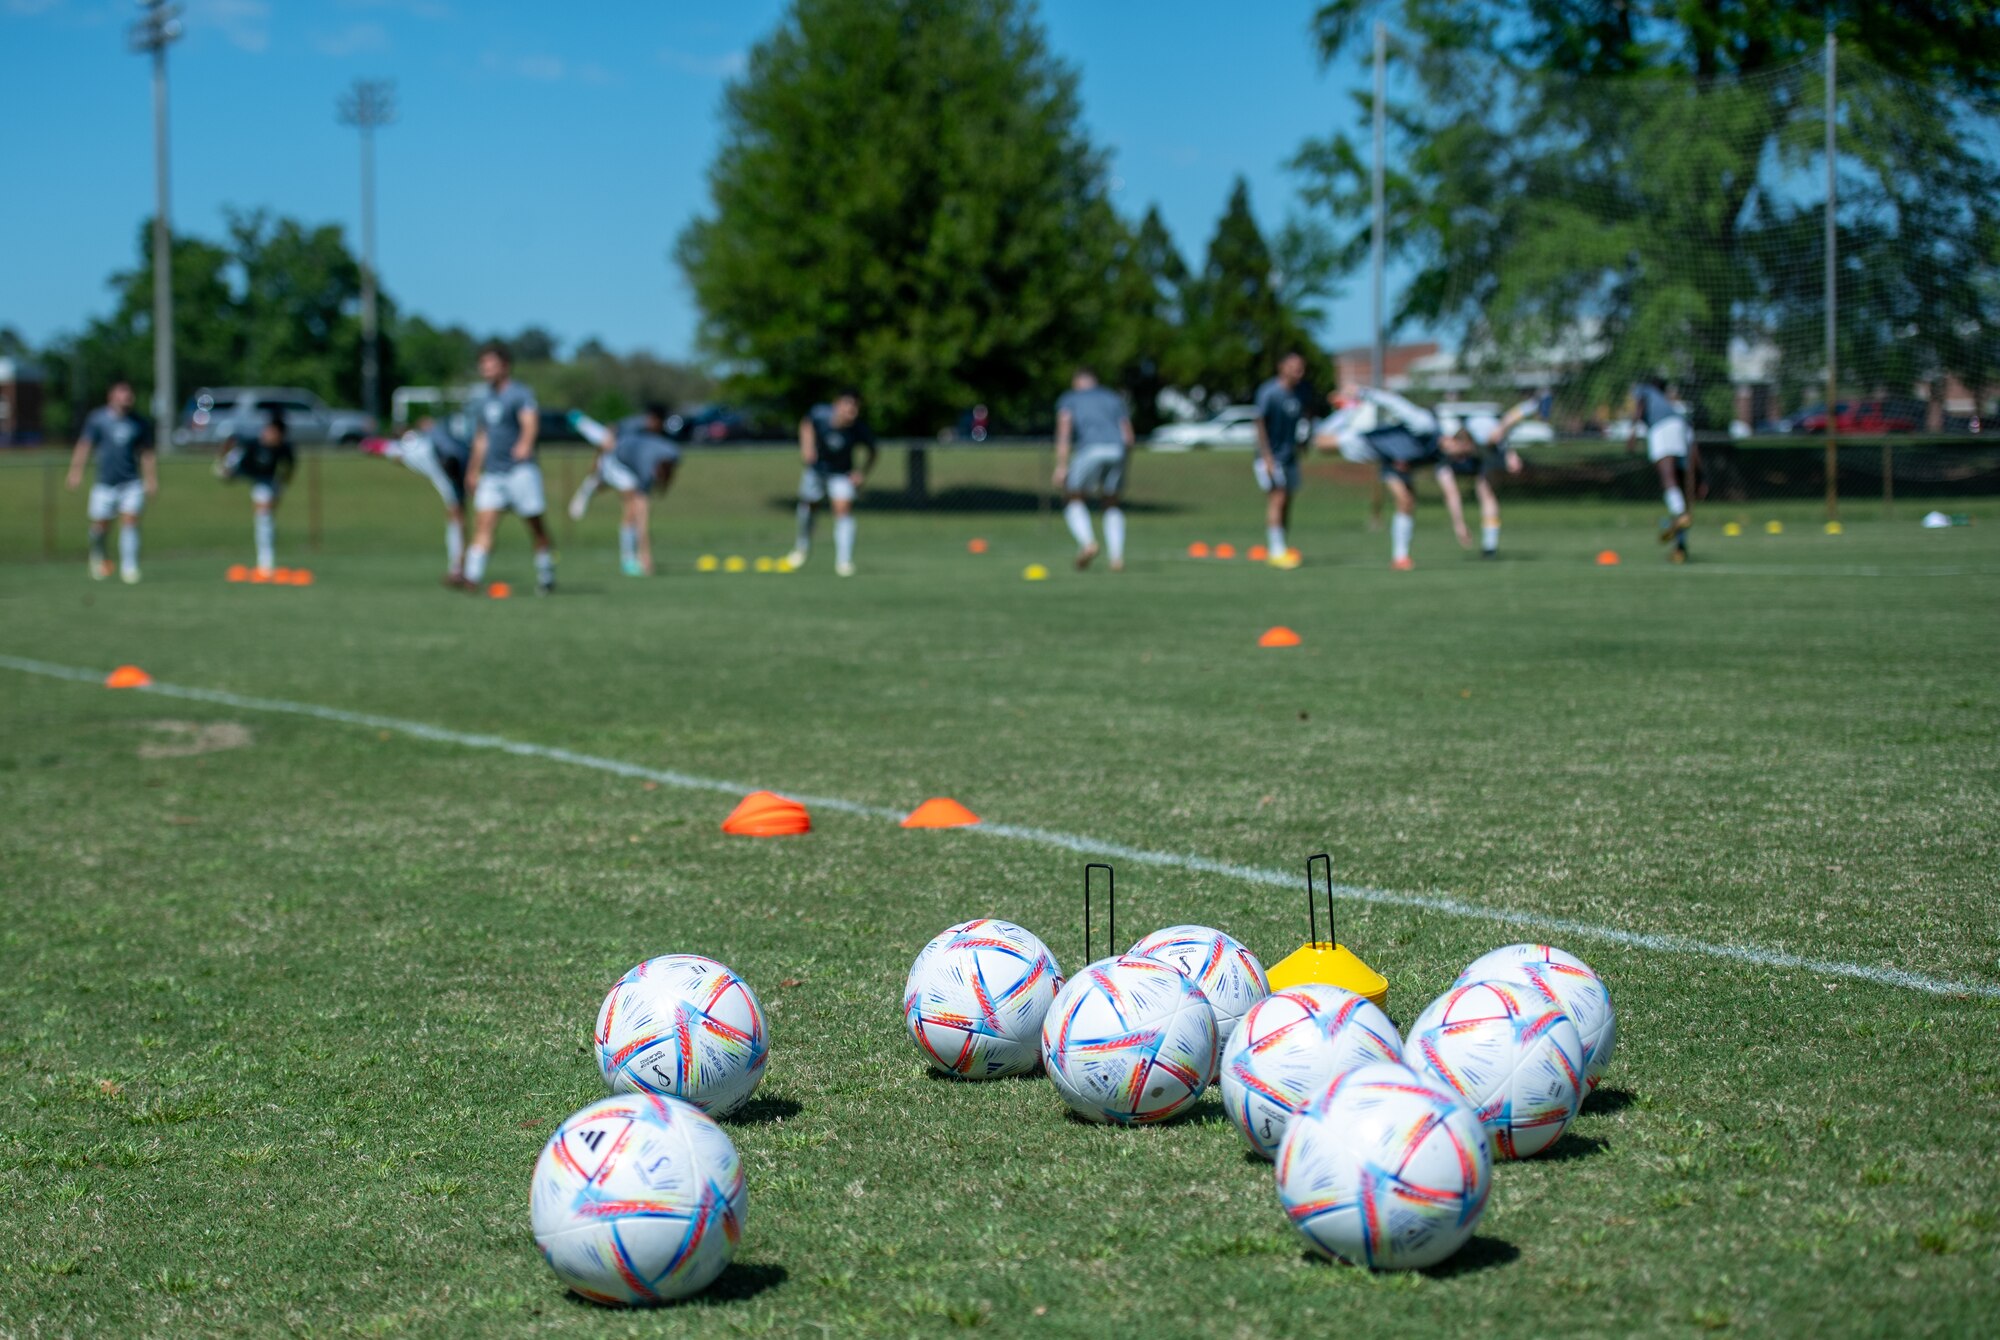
127 475
632 458
503 474
1383 428
267 460
1093 419
1671 449
1280 412
1473 446
439 455
827 437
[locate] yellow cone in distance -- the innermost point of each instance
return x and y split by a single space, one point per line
734 563
707 563
1034 572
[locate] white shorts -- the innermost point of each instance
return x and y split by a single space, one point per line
818 487
1099 470
518 491
109 500
1668 437
616 474
1290 481
264 492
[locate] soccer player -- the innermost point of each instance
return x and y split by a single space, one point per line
1280 411
828 435
1092 418
1670 447
127 475
503 474
441 456
1391 432
1472 447
267 460
634 458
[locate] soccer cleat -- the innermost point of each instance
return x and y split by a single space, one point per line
1673 526
1085 556
1286 561
129 574
100 568
1489 553
1677 555
1118 565
796 559
1401 564
545 586
843 569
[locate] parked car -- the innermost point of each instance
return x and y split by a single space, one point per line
1527 433
710 423
1235 426
218 413
1886 415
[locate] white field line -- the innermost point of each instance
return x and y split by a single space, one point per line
1663 943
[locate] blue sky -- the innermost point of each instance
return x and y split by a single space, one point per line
546 154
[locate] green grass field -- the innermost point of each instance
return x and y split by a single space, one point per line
288 1005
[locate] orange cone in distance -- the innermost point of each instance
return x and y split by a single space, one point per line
1280 636
1258 553
1607 558
1225 550
259 577
940 812
237 573
499 590
128 677
1198 550
767 814
975 546
302 577
282 576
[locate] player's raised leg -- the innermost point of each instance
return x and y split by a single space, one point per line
600 437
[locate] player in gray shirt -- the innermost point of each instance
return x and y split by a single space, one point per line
1281 410
126 477
1093 442
633 458
1671 448
503 475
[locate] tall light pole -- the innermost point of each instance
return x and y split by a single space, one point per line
157 28
370 103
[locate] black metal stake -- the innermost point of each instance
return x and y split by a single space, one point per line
1312 926
1110 898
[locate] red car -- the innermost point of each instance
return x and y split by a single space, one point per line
1865 417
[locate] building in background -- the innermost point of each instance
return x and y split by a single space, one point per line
20 402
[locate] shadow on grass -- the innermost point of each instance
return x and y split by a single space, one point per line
1481 1253
763 1111
1571 1147
946 1077
970 499
1603 1099
1206 1111
739 1280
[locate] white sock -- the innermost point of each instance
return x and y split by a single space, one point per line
1677 502
1078 517
843 539
128 546
96 545
267 540
1401 527
628 544
1114 533
475 563
545 566
587 488
454 546
805 543
1489 537
1274 540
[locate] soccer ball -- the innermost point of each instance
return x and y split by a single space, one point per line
1129 1040
1516 1059
638 1199
976 998
1385 1168
1567 982
1227 973
1286 1049
687 1026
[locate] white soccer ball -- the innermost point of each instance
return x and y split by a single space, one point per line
1129 1040
1385 1168
1227 973
1515 1058
638 1199
1566 981
976 997
686 1026
1288 1047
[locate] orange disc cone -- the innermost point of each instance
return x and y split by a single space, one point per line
237 573
1225 551
1607 558
1258 553
499 590
282 576
259 577
975 546
1280 636
1197 550
940 812
128 677
767 814
302 577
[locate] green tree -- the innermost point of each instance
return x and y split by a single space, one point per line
905 200
1619 180
207 329
419 353
298 311
1235 320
